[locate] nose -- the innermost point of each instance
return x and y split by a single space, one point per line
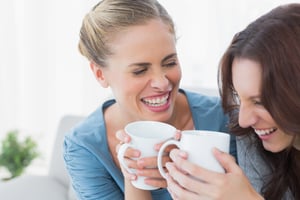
160 81
247 116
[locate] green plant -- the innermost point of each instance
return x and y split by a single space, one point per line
15 154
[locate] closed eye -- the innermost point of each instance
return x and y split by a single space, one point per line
257 103
140 71
170 64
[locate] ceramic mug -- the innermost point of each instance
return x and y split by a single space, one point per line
198 144
144 136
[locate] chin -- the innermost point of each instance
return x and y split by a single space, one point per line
274 148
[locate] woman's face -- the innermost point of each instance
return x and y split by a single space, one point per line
246 77
144 72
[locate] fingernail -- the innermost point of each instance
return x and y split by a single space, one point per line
217 151
133 177
167 175
136 153
126 139
183 154
168 165
140 163
156 147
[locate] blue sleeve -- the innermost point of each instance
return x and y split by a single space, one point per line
90 179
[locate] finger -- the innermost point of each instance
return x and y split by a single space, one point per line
174 153
130 152
151 162
127 175
179 192
123 136
227 161
148 167
156 182
179 159
177 135
131 163
186 181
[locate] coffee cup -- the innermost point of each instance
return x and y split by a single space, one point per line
144 136
198 144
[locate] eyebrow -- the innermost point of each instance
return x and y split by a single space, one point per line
169 56
146 64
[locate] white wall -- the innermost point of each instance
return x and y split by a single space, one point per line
43 77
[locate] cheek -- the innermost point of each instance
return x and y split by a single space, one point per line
263 113
175 75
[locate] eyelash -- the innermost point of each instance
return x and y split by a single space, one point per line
257 103
238 101
139 72
171 64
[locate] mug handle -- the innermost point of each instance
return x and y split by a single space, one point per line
161 153
121 153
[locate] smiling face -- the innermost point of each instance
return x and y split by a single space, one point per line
143 72
246 77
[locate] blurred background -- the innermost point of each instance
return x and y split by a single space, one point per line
43 77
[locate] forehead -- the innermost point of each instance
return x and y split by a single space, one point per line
246 76
153 36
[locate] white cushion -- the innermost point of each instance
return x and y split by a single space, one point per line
71 193
32 188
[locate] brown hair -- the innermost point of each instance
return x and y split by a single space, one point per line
273 40
109 17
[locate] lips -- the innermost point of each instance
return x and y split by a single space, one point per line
156 101
263 132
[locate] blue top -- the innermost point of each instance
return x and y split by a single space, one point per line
91 167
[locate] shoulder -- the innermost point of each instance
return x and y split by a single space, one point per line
91 131
207 111
204 104
201 100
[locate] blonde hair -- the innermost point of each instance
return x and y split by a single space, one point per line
110 17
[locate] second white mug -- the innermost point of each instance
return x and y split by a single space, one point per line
199 144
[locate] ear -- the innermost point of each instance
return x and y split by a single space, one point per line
98 73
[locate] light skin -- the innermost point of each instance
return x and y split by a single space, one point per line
136 74
138 71
246 80
144 75
246 75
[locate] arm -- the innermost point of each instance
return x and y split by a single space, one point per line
132 193
231 185
90 178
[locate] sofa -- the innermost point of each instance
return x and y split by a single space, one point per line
53 186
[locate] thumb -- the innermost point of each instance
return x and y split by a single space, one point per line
226 160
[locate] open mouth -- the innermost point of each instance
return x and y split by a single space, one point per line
156 101
265 131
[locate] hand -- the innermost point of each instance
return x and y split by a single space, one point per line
131 155
143 166
146 166
213 185
155 178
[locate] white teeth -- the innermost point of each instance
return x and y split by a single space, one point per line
264 132
159 101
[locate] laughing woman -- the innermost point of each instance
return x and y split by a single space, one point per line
260 88
131 48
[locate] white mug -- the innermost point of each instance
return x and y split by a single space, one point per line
144 135
198 144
